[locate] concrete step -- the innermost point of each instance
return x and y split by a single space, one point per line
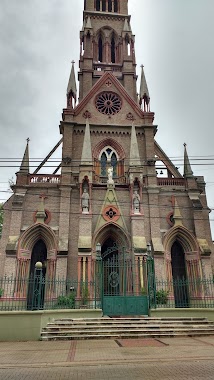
131 331
126 327
119 328
126 336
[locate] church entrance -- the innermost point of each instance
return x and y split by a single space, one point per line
36 284
121 282
180 285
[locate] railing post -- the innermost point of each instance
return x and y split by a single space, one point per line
37 287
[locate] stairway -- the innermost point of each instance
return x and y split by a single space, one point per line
119 328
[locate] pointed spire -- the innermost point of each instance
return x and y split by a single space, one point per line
126 27
41 215
72 87
144 92
88 23
188 173
177 214
25 168
134 150
86 150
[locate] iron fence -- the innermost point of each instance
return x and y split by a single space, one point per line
197 293
39 293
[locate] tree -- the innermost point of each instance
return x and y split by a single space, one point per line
1 218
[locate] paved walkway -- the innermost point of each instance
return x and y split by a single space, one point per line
163 359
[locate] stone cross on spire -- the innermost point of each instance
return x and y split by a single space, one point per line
72 88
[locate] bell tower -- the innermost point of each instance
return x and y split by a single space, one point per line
107 44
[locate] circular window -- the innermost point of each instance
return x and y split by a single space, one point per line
108 103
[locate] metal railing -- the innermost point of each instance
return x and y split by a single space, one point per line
197 293
40 293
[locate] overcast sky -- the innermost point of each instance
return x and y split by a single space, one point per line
174 41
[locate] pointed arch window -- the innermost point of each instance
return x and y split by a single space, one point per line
97 5
100 49
113 49
110 5
108 157
116 6
103 5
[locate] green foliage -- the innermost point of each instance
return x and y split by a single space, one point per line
162 297
1 218
84 294
68 302
143 292
1 292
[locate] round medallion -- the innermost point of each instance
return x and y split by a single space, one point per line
108 103
111 213
114 279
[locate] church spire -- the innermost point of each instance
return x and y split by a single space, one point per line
134 150
144 92
86 150
72 88
25 167
106 46
188 173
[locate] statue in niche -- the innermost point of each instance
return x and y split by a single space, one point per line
136 202
110 175
85 202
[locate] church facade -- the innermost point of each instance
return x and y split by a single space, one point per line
115 185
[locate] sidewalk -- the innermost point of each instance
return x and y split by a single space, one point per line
100 358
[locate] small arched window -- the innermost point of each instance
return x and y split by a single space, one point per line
103 5
100 49
116 6
110 5
108 157
113 54
97 5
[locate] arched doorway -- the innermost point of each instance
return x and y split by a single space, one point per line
121 286
36 286
111 270
179 275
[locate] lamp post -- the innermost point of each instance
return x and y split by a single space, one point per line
151 277
98 275
149 249
37 286
98 252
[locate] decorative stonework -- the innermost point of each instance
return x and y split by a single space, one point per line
108 103
87 114
170 219
108 83
47 218
66 160
111 213
130 116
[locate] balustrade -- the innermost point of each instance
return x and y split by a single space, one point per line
43 178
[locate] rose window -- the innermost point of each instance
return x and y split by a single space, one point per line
108 103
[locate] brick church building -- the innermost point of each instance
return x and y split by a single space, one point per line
115 186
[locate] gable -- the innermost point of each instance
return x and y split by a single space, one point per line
109 102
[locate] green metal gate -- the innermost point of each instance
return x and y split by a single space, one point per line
124 283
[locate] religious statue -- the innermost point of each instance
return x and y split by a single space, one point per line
110 175
136 202
85 202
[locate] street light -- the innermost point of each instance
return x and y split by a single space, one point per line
98 251
149 249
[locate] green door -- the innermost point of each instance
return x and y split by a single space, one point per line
122 292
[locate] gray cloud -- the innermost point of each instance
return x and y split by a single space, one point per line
38 40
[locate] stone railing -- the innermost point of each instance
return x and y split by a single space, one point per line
103 180
44 178
171 181
100 66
